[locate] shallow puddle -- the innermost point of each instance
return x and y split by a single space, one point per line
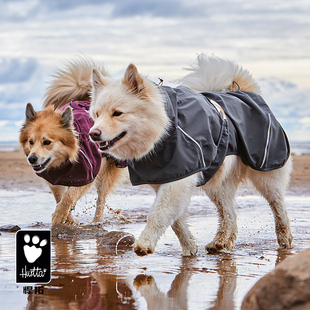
86 275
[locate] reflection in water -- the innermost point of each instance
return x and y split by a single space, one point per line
282 255
177 296
78 290
73 288
227 271
89 276
86 276
74 291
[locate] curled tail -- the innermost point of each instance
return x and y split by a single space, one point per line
211 73
72 82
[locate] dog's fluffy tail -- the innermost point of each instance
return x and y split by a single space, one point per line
72 82
211 73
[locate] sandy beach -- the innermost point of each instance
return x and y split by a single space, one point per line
17 174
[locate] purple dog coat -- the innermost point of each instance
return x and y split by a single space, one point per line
88 165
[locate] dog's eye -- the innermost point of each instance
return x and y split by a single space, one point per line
117 113
47 142
97 114
31 142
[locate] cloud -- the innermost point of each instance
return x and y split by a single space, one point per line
21 81
3 123
159 8
16 70
305 121
18 123
290 105
158 34
21 10
160 37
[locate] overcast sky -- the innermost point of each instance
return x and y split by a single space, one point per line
269 38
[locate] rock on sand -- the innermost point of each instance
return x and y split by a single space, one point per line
9 228
117 238
286 287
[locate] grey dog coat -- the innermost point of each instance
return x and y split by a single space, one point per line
201 136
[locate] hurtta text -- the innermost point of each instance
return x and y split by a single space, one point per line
35 272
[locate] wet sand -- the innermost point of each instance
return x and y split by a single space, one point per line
86 275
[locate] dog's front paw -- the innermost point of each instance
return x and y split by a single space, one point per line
191 250
59 218
217 246
285 241
145 248
71 220
221 242
214 247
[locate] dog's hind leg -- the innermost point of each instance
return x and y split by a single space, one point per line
187 240
224 200
170 205
272 185
108 177
222 189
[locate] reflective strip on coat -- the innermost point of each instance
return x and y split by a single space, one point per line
200 137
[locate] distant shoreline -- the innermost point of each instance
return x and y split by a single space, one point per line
16 174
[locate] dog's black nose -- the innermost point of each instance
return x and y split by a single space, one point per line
95 134
32 159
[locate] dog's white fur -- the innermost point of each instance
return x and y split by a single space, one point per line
142 108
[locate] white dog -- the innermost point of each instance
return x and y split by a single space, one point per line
176 138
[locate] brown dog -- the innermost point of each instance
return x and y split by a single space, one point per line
55 141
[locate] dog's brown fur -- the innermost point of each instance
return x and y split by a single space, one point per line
72 82
50 134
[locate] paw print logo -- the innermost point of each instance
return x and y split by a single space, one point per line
32 253
33 256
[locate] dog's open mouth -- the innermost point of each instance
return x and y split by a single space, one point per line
39 168
105 145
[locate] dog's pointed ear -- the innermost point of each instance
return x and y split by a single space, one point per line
134 81
30 113
67 117
98 82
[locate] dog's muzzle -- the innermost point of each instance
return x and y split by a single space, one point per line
95 136
37 168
